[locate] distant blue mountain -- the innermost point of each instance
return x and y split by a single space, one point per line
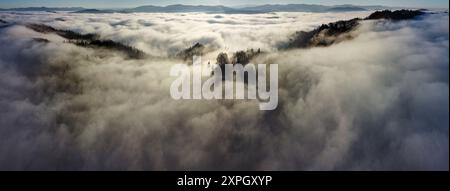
288 8
94 11
250 9
47 9
345 9
179 8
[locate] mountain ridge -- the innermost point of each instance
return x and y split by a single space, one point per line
180 8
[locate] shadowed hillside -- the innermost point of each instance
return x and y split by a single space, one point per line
89 40
336 32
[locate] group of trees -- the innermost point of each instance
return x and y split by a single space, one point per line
395 15
196 50
325 35
239 57
89 40
42 40
71 35
131 52
331 33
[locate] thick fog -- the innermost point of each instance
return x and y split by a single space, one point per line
377 102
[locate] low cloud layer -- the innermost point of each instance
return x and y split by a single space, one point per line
377 102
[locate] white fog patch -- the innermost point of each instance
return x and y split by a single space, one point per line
164 34
377 102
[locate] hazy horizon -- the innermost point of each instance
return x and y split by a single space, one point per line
105 4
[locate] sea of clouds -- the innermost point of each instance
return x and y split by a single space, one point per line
377 102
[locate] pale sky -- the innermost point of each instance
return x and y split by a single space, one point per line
134 3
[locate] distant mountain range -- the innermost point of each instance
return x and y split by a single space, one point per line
303 8
178 8
50 9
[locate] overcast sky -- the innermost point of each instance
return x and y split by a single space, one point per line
134 3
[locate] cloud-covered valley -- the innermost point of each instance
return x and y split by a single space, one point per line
376 102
